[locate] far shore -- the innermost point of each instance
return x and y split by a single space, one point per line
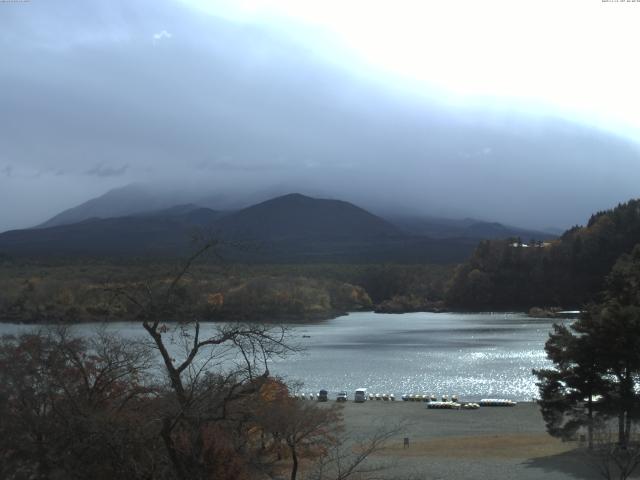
275 320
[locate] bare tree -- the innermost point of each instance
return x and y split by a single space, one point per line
207 373
304 429
613 460
350 458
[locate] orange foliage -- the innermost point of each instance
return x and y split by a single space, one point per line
215 299
274 391
221 458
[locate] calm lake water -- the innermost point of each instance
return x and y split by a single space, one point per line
471 355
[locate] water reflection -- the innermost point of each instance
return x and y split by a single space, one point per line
472 355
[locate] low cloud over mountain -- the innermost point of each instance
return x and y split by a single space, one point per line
121 92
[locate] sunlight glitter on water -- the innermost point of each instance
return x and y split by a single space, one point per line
471 355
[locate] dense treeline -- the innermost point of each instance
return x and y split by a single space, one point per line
74 292
568 272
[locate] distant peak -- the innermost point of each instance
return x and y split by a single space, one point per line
293 196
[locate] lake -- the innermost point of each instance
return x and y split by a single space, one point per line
474 355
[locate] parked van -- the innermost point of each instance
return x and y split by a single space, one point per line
361 395
323 396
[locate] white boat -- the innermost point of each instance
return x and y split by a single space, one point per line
497 402
444 405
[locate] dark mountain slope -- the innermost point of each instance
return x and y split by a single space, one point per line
292 228
160 233
119 202
466 228
296 216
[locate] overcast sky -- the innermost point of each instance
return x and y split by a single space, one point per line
517 111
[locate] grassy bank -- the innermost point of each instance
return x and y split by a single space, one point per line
489 443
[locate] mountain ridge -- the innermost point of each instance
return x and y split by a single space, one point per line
295 215
140 199
118 202
289 228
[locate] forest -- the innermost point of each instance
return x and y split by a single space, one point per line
568 273
80 291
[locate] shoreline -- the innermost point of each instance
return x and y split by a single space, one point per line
284 319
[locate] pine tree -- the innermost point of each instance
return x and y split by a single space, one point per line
597 357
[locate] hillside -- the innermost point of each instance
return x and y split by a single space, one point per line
567 272
153 234
142 199
296 216
119 202
466 228
292 228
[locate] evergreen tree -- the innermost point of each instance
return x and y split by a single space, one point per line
598 355
568 393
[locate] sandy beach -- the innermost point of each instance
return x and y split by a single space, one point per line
490 443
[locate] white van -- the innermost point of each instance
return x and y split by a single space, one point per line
361 395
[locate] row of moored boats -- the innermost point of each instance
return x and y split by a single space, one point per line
445 402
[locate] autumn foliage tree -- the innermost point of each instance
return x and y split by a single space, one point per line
74 408
305 430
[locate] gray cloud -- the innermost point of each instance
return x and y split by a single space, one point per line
102 170
87 90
